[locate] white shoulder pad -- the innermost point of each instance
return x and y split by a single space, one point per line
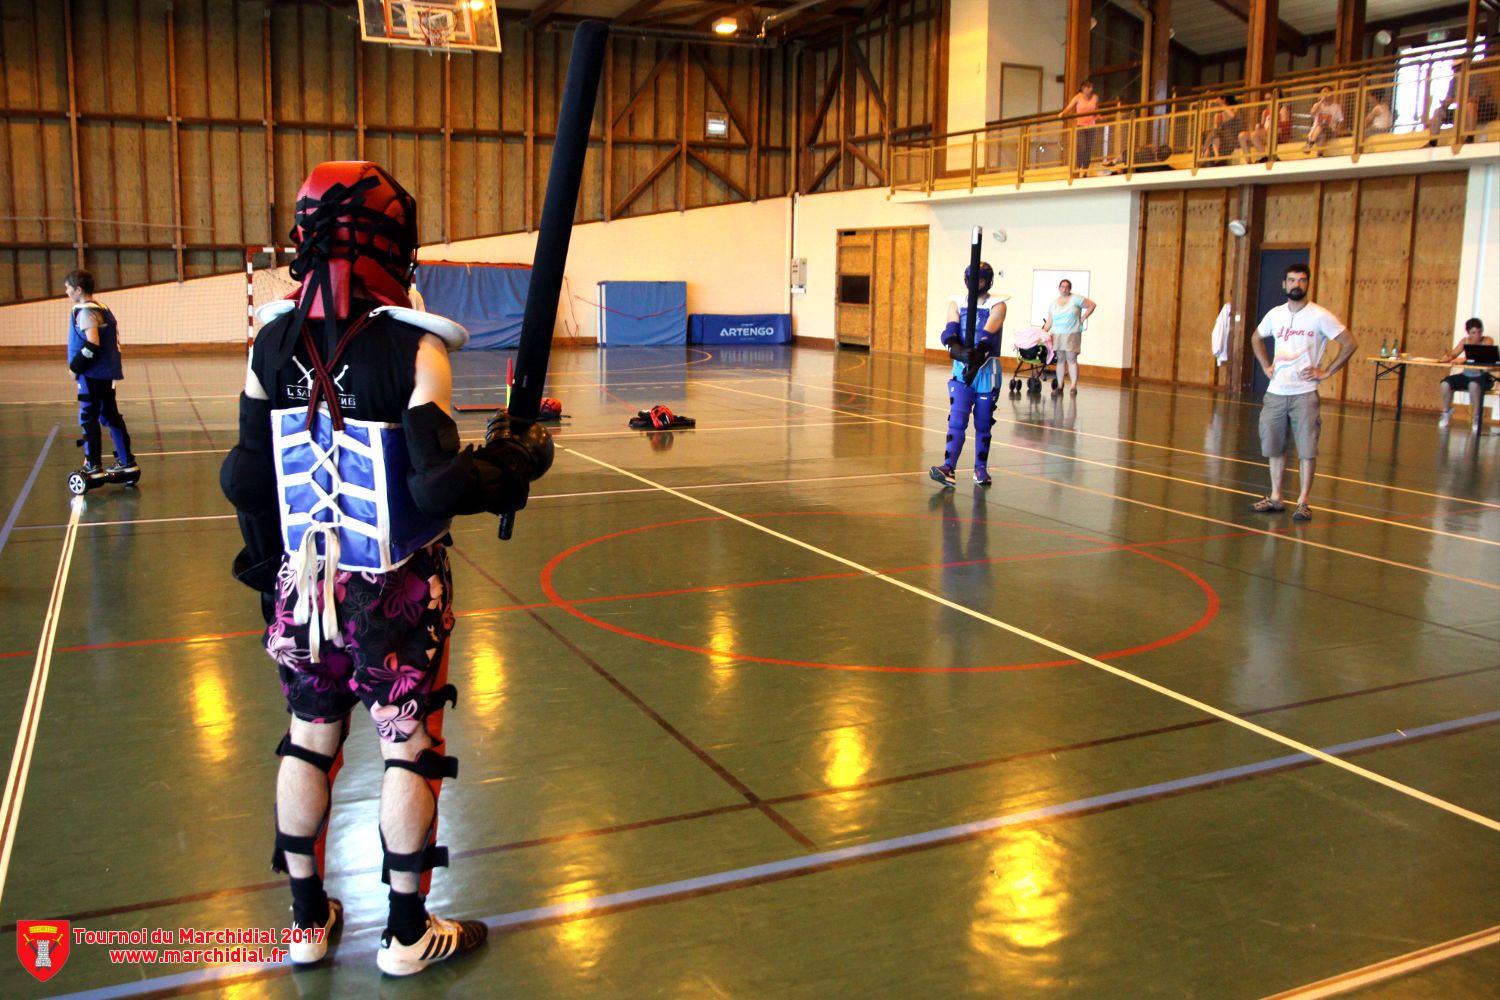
90 304
271 310
450 333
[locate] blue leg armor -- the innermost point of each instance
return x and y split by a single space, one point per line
958 420
984 423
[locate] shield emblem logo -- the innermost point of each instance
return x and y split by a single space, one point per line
42 946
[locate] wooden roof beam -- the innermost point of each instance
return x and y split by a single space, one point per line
1287 37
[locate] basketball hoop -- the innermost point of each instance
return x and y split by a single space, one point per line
437 27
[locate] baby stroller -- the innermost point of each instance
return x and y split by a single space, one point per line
1034 362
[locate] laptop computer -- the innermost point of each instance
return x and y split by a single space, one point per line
1482 354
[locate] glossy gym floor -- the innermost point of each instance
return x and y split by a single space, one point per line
757 710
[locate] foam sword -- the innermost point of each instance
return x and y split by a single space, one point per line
569 147
973 282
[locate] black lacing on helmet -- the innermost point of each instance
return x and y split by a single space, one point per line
328 228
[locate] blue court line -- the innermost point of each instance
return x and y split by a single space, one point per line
824 859
15 510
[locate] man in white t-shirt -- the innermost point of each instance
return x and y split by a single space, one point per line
1301 329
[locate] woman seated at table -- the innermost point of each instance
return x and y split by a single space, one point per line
1475 381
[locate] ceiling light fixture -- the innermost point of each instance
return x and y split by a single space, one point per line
726 26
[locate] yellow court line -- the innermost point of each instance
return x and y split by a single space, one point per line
1058 647
1143 503
1183 451
1193 482
1392 967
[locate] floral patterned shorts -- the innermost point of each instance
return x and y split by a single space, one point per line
393 632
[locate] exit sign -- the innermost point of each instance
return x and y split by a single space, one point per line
1437 35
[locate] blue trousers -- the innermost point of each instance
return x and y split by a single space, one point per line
965 400
96 405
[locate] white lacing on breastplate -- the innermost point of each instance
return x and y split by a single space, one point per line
313 570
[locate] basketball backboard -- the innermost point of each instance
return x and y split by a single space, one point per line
472 25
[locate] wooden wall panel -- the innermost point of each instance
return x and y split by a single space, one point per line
1202 295
1291 214
1380 274
1333 280
1433 288
1160 276
480 169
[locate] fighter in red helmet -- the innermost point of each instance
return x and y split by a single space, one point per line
345 478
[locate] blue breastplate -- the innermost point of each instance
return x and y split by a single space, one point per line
984 381
348 488
107 360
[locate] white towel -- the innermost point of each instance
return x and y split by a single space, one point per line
1219 339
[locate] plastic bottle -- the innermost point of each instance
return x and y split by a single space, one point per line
1384 352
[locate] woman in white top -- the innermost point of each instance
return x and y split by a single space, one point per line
1065 317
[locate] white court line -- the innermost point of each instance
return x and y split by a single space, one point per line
1199 483
894 396
31 716
1152 506
904 474
627 434
1058 647
1392 967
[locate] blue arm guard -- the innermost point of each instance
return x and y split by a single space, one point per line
950 333
445 481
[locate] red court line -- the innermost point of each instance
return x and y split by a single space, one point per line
1211 609
710 588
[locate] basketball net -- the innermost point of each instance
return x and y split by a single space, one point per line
437 27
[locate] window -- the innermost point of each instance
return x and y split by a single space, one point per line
854 289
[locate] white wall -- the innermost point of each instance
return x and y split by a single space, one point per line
733 257
983 35
1092 231
817 221
1479 263
201 311
1030 33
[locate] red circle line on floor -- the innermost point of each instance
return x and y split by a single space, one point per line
1210 611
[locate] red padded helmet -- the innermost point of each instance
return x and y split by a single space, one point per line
354 217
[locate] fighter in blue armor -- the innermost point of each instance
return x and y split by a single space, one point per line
345 478
94 359
975 382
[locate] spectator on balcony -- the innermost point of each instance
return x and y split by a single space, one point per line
1223 128
1328 120
1083 104
1378 118
1253 142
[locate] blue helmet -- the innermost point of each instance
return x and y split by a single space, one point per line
986 277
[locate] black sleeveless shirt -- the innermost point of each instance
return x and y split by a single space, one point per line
375 376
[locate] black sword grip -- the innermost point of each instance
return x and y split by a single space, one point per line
507 525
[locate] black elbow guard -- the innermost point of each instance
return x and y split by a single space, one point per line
445 481
83 360
248 475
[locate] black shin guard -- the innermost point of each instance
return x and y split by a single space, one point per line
433 767
311 845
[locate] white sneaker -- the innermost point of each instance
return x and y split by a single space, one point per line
443 940
310 944
1443 420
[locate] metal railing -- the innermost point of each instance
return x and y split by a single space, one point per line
1445 97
